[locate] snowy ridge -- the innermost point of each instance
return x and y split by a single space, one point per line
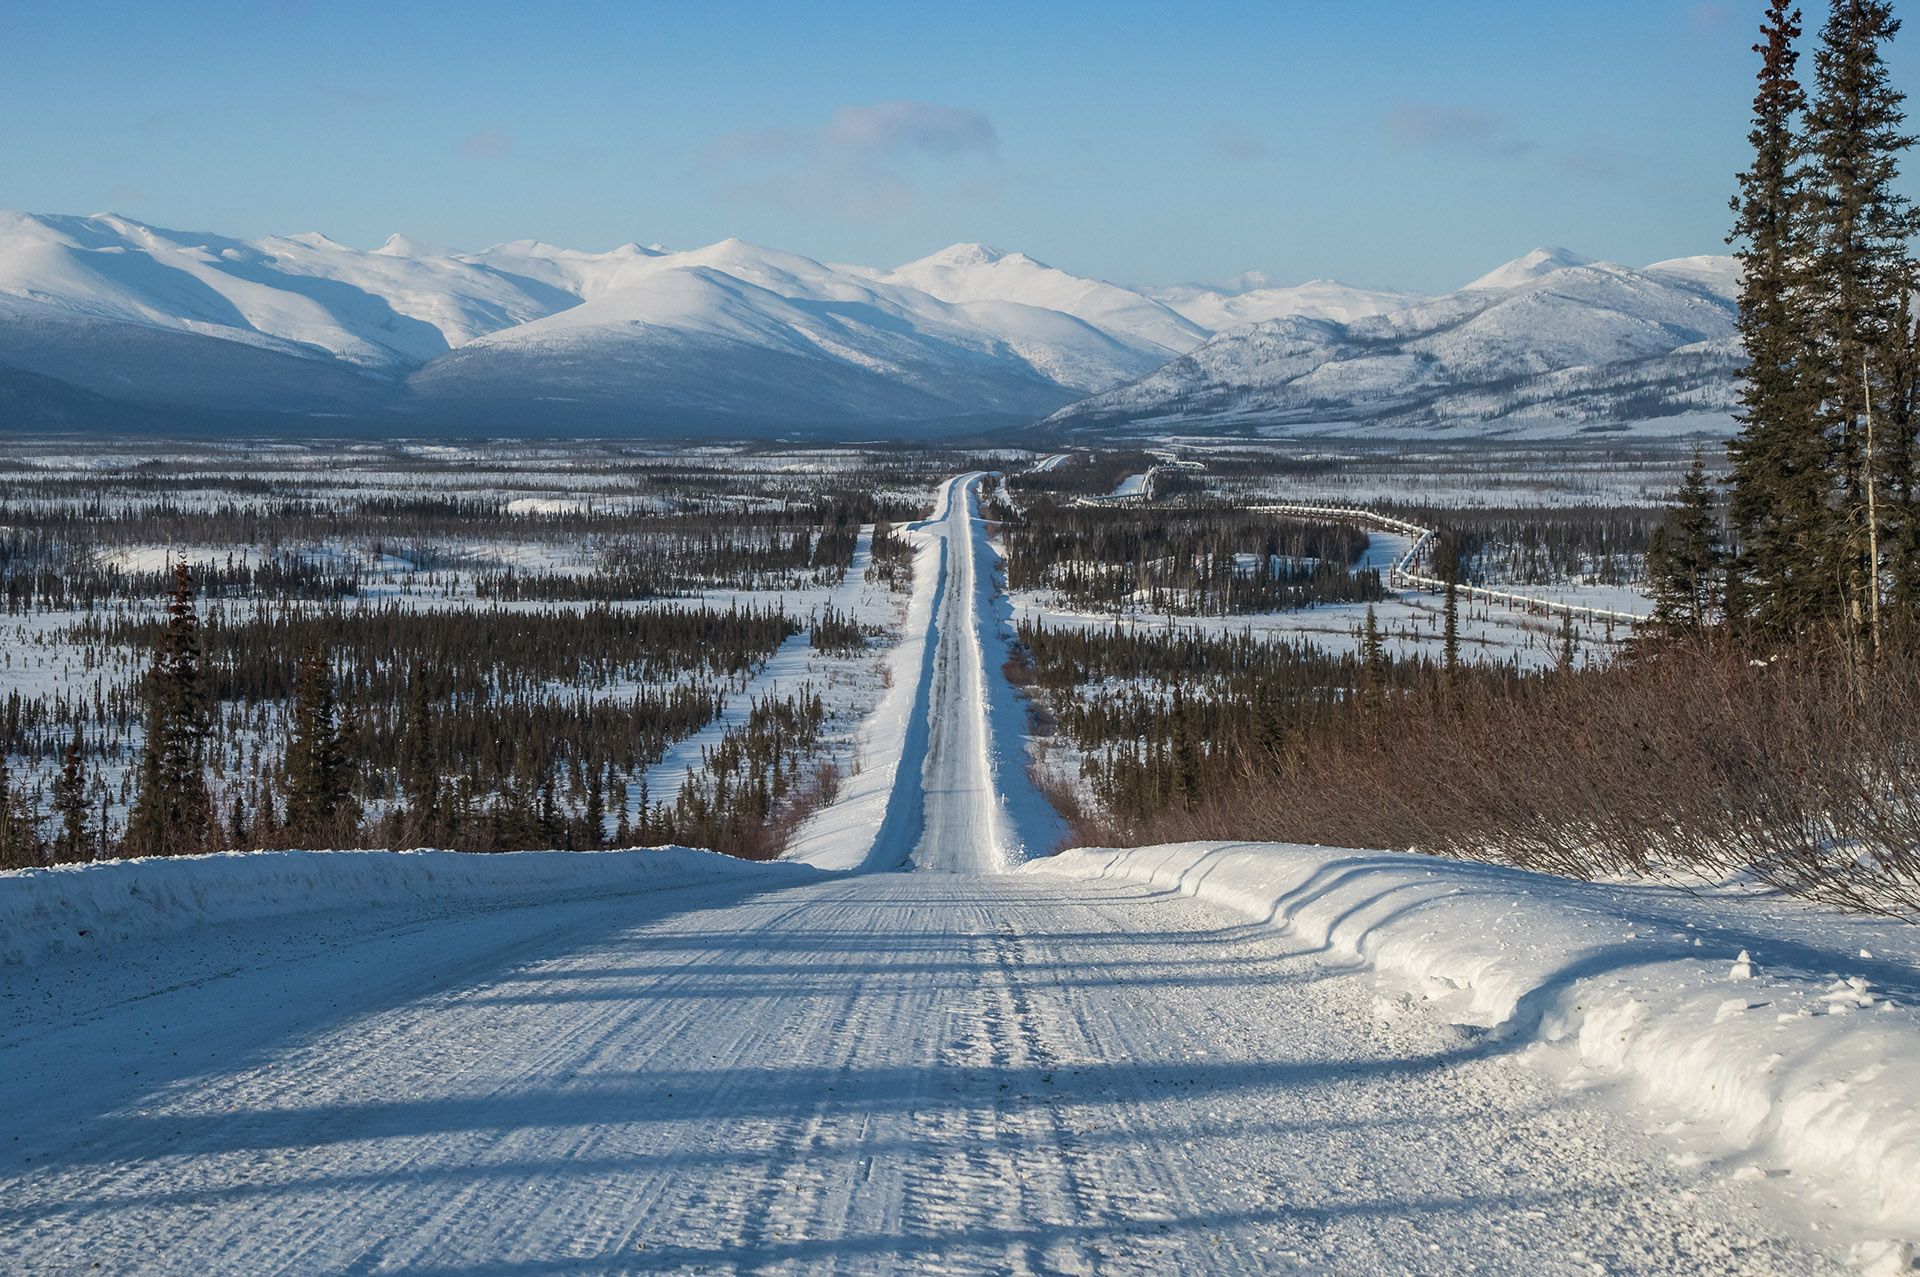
527 333
92 906
1780 1045
1220 309
167 326
1549 344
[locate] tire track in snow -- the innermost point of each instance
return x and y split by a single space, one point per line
868 1074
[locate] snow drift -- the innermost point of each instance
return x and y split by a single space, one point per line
1783 1048
81 907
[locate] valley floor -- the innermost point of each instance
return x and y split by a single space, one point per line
786 1069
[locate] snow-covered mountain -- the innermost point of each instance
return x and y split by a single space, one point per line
1252 298
1549 343
976 273
528 336
110 320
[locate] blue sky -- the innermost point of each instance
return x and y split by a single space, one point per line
1390 144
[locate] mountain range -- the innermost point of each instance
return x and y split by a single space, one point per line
1549 344
106 321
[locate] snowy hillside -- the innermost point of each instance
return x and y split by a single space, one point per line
1548 343
977 273
532 336
1252 299
111 321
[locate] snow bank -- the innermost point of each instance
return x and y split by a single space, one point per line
1781 1049
75 907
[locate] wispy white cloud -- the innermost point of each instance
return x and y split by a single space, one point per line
1413 125
1709 19
1232 144
1470 131
887 130
488 144
865 162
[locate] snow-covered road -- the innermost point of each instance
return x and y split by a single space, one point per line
776 1069
981 813
871 1073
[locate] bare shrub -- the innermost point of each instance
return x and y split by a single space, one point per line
1801 770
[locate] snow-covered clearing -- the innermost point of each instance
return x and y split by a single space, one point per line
1109 1062
794 667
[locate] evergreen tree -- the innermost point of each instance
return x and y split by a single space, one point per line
1900 416
1184 754
419 767
20 845
1685 560
1373 664
316 765
1859 269
173 812
1783 578
595 817
70 803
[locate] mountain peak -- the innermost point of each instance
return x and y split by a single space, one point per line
399 245
319 239
967 254
1529 267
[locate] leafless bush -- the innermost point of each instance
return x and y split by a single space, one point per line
1803 771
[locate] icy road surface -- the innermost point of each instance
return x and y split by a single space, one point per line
957 1072
872 1073
981 811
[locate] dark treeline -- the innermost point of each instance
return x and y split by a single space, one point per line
890 559
663 564
753 786
489 730
372 664
1085 473
48 563
1601 545
1192 561
1194 714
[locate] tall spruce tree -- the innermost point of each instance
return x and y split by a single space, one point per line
1783 578
20 843
1373 665
419 766
173 811
316 765
70 803
1686 560
1859 270
1900 419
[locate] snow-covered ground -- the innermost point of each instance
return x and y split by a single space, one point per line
1782 1040
1187 1059
795 667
